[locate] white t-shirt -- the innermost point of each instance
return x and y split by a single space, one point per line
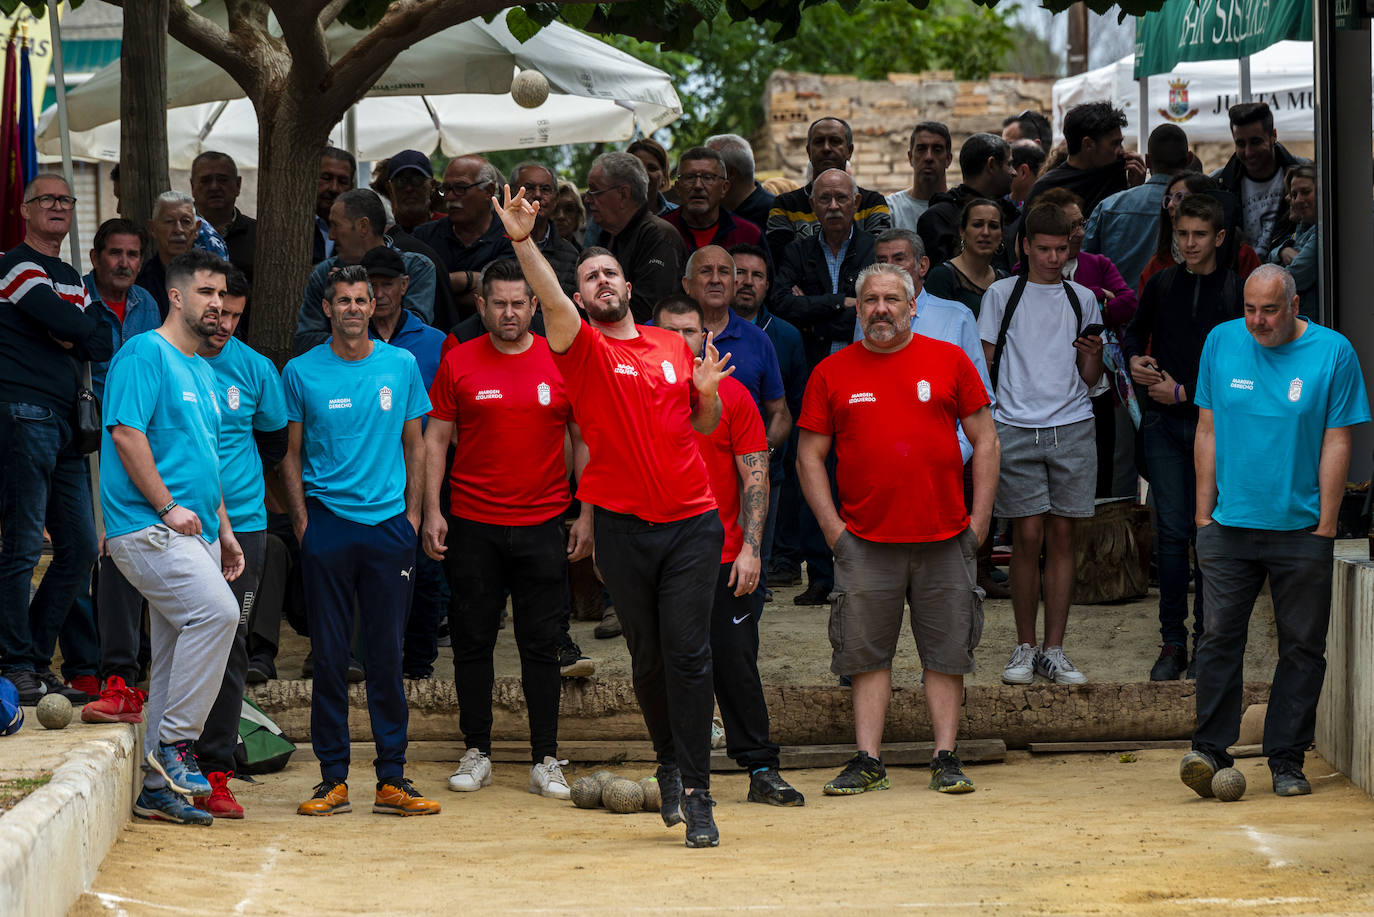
906 210
1038 384
1260 204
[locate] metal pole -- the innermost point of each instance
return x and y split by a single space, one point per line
74 234
1143 123
1245 79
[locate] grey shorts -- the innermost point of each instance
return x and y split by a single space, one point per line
1048 470
874 579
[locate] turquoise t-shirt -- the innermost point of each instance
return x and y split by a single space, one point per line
1270 408
170 397
250 397
352 412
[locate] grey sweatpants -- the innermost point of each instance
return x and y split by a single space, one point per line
192 617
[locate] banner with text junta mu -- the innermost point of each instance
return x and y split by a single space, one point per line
1199 30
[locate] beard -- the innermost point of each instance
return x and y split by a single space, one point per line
880 331
608 312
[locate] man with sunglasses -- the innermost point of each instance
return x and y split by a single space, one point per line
701 220
470 237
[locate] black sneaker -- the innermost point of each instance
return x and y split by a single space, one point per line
863 773
609 626
259 672
356 673
815 594
1196 771
1289 780
947 774
1171 663
768 787
30 686
55 685
701 824
670 791
572 664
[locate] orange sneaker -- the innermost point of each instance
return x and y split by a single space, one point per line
118 703
396 796
331 798
221 802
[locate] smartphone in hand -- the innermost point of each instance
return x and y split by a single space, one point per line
1091 330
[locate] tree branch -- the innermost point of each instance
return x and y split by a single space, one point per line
303 32
212 42
329 11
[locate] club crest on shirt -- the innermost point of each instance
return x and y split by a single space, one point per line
384 398
545 394
1295 390
668 372
232 397
923 390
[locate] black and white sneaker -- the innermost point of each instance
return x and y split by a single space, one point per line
572 664
767 786
701 824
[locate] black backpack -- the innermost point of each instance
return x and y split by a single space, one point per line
1012 303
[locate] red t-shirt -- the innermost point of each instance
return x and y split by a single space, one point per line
633 401
739 432
893 418
118 307
510 412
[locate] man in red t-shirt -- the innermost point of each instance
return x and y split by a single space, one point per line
505 399
638 394
889 405
736 456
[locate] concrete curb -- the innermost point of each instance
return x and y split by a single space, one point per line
53 842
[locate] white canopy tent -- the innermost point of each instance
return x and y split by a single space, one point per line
1196 95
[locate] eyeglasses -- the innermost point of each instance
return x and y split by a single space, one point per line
51 201
699 178
839 200
590 195
1175 198
541 190
460 188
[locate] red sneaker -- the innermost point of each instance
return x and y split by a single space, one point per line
118 703
87 684
221 802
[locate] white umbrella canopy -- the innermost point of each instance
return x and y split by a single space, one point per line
450 90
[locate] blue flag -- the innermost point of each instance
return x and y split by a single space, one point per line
28 148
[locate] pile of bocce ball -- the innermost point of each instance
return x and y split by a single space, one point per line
618 794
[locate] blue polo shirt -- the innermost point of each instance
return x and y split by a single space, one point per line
352 413
753 356
170 397
1272 406
250 398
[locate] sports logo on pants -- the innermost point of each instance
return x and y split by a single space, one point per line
545 394
384 397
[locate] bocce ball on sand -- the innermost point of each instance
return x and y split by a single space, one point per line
653 797
603 777
529 89
54 711
622 796
1228 784
586 793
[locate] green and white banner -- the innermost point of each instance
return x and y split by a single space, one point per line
1201 30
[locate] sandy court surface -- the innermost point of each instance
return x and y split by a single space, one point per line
1074 834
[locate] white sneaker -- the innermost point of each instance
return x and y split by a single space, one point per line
1054 665
474 772
546 779
1020 668
717 733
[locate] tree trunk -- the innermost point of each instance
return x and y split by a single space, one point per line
290 138
143 109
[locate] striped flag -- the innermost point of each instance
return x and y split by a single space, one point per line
11 162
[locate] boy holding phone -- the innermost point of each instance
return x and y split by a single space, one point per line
1040 335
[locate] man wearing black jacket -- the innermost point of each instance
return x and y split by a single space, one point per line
1254 174
45 329
986 166
1178 309
1098 165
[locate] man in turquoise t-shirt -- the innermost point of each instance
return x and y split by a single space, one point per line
1276 396
166 527
252 440
354 478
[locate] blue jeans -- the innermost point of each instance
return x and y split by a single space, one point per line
42 482
1173 486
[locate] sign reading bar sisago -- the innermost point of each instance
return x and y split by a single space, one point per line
1197 30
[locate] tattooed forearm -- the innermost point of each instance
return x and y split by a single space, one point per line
753 470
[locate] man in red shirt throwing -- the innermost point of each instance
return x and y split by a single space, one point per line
736 456
638 394
889 405
505 398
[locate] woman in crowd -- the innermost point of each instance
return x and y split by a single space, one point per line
655 159
1234 254
966 276
569 213
1298 250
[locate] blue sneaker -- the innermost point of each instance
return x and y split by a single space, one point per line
177 764
162 804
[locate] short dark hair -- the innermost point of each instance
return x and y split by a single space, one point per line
1196 183
594 251
236 283
502 270
1026 152
333 152
701 153
1045 220
679 304
117 226
184 267
1244 113
1091 120
977 150
345 275
931 127
364 203
1168 149
1060 197
1202 207
1033 126
744 248
215 156
848 131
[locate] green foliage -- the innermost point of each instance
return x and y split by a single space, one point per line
39 8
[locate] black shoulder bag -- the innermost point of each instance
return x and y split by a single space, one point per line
86 422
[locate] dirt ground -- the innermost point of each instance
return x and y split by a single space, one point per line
1079 834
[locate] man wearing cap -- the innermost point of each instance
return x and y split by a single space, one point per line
409 186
